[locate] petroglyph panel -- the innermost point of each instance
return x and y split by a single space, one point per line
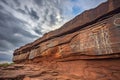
101 40
92 41
117 21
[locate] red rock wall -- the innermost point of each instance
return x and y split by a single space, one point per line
94 34
91 69
85 48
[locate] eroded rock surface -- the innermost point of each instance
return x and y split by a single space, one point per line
94 34
69 70
85 48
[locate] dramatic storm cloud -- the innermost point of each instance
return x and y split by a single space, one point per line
23 21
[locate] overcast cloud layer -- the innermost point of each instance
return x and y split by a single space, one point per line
23 21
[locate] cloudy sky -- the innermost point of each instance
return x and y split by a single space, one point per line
23 21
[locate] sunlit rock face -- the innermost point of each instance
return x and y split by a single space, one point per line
90 42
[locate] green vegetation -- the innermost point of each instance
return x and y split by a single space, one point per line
6 64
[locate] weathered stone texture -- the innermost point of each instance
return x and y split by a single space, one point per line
68 70
92 35
94 32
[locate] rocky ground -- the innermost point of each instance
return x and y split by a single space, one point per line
33 72
24 72
69 70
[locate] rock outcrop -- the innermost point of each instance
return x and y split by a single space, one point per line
88 45
94 34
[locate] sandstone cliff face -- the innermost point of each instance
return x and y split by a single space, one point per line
94 34
85 48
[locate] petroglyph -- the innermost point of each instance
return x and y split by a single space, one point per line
117 22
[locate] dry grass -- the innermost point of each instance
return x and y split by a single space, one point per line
6 64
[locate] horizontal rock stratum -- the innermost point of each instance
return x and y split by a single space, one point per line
94 34
88 45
